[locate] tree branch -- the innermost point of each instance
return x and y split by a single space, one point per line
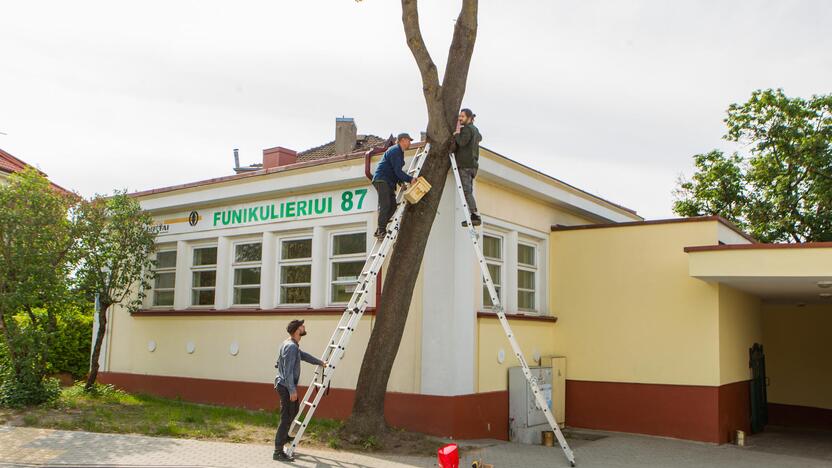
427 68
459 59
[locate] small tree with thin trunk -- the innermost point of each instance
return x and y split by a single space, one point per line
443 100
116 241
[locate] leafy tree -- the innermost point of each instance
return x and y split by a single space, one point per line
781 190
717 188
443 100
37 253
117 240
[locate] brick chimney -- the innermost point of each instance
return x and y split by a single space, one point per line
346 135
278 156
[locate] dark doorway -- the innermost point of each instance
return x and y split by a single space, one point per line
759 401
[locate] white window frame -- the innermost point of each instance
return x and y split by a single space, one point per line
196 268
498 282
331 259
157 270
534 269
281 262
235 265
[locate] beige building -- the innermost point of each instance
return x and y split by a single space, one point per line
655 319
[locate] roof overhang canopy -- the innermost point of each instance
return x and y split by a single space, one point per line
772 272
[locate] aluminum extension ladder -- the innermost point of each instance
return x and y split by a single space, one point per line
498 307
337 346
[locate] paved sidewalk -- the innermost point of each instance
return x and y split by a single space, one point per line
23 446
47 448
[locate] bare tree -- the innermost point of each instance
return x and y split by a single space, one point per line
443 101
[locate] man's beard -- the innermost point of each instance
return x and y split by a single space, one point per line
303 333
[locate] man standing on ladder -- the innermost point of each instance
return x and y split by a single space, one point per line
467 139
288 376
389 174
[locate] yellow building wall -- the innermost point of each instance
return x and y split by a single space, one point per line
627 309
259 338
531 335
520 209
798 361
740 326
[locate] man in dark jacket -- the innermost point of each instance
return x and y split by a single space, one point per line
389 174
467 139
286 382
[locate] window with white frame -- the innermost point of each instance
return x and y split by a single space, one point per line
348 252
295 271
246 266
492 250
204 275
527 277
164 278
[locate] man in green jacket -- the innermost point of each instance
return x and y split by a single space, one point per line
467 138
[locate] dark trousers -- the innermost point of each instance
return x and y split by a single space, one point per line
288 412
466 176
386 203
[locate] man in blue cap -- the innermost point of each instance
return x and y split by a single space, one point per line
389 174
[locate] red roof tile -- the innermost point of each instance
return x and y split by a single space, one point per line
9 163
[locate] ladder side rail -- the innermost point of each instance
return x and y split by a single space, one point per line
497 305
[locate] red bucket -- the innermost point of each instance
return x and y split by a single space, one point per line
449 456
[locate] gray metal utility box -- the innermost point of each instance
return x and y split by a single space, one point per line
525 418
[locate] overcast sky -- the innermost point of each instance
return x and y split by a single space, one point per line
611 96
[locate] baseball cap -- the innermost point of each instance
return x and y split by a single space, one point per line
293 326
403 135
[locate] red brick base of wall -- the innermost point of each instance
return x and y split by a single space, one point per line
800 416
474 416
709 414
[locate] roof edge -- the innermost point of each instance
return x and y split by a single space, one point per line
693 219
759 246
621 207
259 172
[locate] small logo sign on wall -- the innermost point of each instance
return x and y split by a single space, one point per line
193 218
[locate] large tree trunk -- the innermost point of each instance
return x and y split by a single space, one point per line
443 102
96 350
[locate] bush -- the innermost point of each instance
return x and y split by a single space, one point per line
70 351
27 389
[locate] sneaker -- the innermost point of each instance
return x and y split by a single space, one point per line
380 234
476 220
282 456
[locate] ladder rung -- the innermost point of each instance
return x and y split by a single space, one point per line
309 403
317 384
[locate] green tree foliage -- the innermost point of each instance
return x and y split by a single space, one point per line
117 240
781 190
37 253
